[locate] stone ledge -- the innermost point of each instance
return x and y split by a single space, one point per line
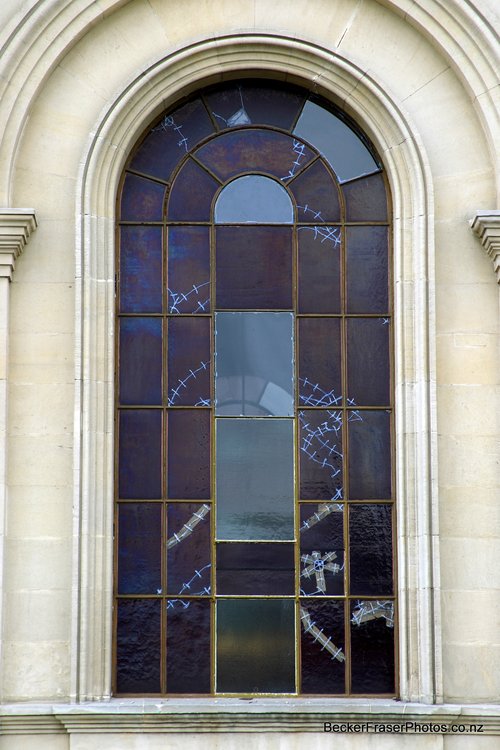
486 224
16 225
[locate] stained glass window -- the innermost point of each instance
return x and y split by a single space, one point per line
254 511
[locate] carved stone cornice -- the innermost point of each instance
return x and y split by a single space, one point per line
16 225
486 224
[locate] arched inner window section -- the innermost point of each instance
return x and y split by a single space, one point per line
254 508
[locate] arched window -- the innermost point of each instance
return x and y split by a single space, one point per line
254 509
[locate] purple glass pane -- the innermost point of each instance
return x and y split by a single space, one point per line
322 647
250 568
188 549
189 361
368 366
319 362
140 454
188 646
171 139
141 269
142 199
372 647
188 454
257 104
367 270
320 454
319 269
366 199
138 646
140 361
191 195
188 270
254 268
369 455
370 548
139 548
256 150
316 194
321 549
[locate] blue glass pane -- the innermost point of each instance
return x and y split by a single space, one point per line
140 454
188 646
369 455
372 646
188 283
140 361
189 361
139 557
252 199
191 195
188 549
322 549
322 646
138 640
142 199
141 269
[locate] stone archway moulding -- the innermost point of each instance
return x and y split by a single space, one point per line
399 145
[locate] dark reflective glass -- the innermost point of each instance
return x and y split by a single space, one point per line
188 646
188 460
368 366
254 364
370 536
319 269
142 199
367 269
188 361
321 549
140 454
319 362
171 139
140 361
255 646
247 568
139 539
320 436
322 646
256 150
138 646
372 647
366 199
141 270
254 268
188 284
316 195
369 455
191 195
254 103
254 199
254 475
188 549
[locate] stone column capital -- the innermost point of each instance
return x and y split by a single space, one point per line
16 225
486 224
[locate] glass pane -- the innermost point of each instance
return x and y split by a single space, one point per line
322 647
142 199
139 539
320 454
254 268
191 195
171 139
322 549
316 194
370 534
256 150
319 269
366 199
141 270
188 549
254 198
254 473
247 568
188 285
138 646
340 145
369 455
258 104
140 361
255 646
188 361
140 454
319 362
372 646
254 364
188 461
188 646
368 368
367 271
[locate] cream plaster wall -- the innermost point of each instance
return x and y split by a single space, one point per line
90 69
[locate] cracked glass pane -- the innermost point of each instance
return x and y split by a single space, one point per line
319 362
188 549
372 646
188 359
321 458
322 646
322 549
316 195
319 269
188 281
258 102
